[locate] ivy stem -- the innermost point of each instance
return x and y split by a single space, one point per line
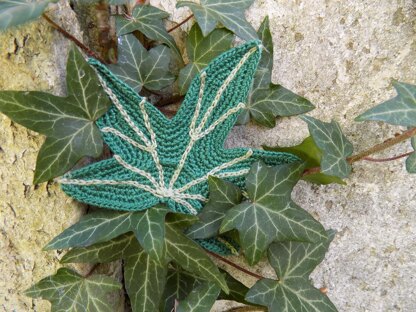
257 276
387 159
375 149
67 35
181 23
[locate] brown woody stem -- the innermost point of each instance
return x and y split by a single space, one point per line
387 159
181 23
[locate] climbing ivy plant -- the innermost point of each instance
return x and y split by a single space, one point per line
165 265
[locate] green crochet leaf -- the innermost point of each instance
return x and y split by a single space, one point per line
229 13
69 292
159 160
200 299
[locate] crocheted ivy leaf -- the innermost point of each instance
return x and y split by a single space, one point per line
334 145
159 160
67 291
200 299
229 13
270 214
268 100
293 292
192 257
148 227
141 68
400 110
312 155
16 12
148 20
411 160
201 50
67 121
223 196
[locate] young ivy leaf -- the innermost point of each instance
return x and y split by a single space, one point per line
200 299
141 68
68 122
223 196
400 110
201 50
312 155
270 214
268 100
229 13
68 291
293 292
148 20
16 12
334 145
411 160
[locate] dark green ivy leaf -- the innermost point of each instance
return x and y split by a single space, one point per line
400 110
293 292
16 12
238 291
69 292
263 76
200 299
229 13
411 160
334 145
148 20
223 196
67 121
311 154
270 214
141 68
201 50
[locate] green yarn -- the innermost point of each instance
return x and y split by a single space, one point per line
160 160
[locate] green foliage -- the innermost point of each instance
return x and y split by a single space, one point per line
200 299
334 145
208 13
411 160
270 214
293 292
201 50
16 12
69 292
68 122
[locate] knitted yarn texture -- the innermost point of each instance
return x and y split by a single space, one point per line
160 160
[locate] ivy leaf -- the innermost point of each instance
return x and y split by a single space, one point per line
270 214
311 155
223 196
293 292
268 100
229 13
148 20
238 290
400 110
68 291
179 284
201 50
67 121
16 12
201 299
191 257
334 145
411 160
141 68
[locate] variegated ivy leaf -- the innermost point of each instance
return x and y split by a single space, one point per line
229 13
223 196
334 145
400 110
141 68
16 12
268 100
293 292
270 214
67 121
69 292
148 20
312 155
411 160
148 227
200 299
201 50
